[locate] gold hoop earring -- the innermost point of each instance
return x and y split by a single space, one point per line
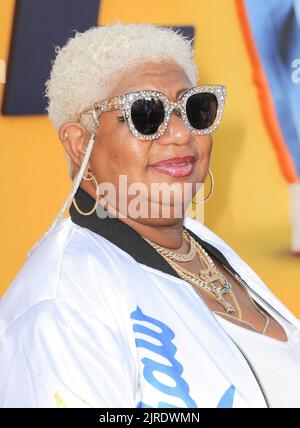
210 190
92 177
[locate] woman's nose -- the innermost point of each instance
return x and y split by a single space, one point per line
177 132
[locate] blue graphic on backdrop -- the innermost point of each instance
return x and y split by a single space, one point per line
275 25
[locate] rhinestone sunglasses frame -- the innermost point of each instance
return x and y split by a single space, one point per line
125 101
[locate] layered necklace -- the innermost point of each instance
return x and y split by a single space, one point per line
209 280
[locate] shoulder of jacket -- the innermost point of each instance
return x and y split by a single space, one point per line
74 265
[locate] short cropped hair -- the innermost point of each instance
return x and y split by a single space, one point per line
83 68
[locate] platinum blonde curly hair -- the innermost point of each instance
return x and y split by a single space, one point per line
83 69
83 73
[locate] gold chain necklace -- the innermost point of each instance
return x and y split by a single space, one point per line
204 280
176 256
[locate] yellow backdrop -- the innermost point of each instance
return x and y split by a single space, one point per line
249 208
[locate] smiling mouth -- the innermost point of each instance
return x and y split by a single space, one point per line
176 167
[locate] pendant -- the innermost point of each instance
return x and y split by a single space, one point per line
228 306
209 276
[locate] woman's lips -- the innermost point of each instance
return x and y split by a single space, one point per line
176 167
175 170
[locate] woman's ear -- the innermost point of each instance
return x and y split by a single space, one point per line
74 137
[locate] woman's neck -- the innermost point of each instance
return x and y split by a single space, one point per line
167 235
166 232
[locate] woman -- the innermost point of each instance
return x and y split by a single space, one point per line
118 309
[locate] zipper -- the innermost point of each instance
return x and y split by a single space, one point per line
244 283
258 380
241 281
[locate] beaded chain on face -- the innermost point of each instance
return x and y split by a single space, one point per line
205 279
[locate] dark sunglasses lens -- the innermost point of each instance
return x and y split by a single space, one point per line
147 115
201 110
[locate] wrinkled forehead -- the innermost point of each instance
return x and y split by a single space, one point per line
165 76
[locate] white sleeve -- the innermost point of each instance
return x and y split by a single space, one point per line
54 356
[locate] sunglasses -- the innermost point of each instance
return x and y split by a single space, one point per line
147 113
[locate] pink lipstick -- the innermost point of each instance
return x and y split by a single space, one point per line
176 167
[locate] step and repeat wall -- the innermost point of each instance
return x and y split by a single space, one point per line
252 166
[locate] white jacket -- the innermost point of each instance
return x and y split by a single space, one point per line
85 324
